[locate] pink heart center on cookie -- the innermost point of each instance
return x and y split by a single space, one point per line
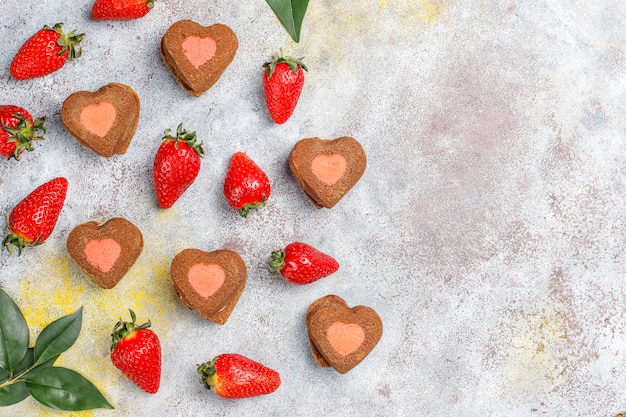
329 168
199 50
206 279
345 338
98 118
103 253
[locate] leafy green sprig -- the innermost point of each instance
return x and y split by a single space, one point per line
26 371
290 13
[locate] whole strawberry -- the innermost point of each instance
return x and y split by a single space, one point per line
283 79
176 165
136 351
246 187
300 263
120 9
18 130
45 52
33 219
231 375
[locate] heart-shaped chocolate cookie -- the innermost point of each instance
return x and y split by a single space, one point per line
327 169
198 55
104 121
209 283
341 336
105 252
316 305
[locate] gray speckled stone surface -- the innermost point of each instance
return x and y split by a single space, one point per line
488 230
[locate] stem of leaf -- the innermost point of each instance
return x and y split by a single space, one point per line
16 379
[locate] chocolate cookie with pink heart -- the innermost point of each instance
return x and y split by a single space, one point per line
104 121
105 252
316 305
340 336
327 169
198 55
209 283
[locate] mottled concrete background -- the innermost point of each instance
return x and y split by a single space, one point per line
488 230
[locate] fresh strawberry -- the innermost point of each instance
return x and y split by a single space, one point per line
300 263
33 219
246 187
176 165
18 130
231 375
283 79
136 351
120 9
45 52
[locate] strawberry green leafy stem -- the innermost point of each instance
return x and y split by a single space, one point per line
67 42
182 135
124 328
290 13
15 240
293 63
24 133
276 262
247 208
206 371
28 371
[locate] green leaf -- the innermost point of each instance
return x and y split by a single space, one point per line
64 389
16 392
291 14
13 394
14 335
29 361
58 336
48 363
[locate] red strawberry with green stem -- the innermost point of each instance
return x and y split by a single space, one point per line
120 9
283 79
231 375
176 165
136 351
300 263
32 220
45 52
246 187
18 130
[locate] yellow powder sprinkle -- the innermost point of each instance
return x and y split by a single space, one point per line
420 12
33 408
540 347
359 18
430 11
59 287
